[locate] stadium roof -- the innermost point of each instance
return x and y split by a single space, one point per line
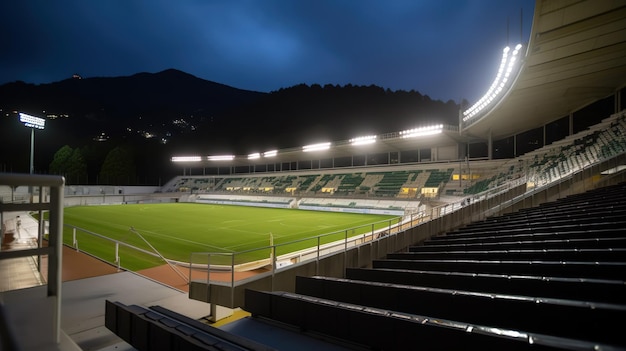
443 136
391 142
576 55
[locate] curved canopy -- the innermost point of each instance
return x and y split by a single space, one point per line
576 55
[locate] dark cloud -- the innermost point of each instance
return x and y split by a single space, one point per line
446 49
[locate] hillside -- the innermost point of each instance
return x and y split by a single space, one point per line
140 102
158 115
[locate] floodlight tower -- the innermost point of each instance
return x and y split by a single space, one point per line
33 123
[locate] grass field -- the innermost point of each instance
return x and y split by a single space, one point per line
178 229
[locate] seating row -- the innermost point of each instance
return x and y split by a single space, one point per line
158 328
554 275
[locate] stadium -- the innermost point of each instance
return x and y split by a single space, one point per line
423 238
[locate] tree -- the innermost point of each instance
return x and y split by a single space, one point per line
118 167
77 167
60 160
69 163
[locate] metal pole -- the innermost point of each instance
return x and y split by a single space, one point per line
232 280
273 265
32 157
74 242
117 254
161 256
1 230
317 261
190 265
55 241
40 229
32 150
212 304
345 254
271 248
460 172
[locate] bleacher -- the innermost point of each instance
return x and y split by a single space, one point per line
544 278
551 162
190 183
349 183
157 328
367 183
305 183
391 183
438 177
602 141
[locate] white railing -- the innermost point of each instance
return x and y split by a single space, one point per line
49 198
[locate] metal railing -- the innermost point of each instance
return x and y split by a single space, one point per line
283 255
52 202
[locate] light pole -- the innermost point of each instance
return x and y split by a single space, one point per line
33 123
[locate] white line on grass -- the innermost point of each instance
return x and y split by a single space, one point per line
181 239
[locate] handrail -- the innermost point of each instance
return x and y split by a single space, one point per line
55 240
18 179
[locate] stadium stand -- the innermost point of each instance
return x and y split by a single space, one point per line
602 141
519 276
369 182
541 166
421 184
390 184
548 277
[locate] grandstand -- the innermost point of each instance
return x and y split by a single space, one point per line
523 252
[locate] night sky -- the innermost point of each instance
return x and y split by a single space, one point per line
446 49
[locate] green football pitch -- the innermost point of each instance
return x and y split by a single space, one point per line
178 229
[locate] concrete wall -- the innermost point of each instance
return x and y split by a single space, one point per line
447 153
77 190
104 199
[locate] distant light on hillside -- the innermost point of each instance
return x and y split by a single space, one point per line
101 137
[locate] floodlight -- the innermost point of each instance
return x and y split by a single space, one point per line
271 153
507 66
254 156
364 140
316 147
422 131
221 158
32 121
186 159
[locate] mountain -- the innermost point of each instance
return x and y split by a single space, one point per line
149 102
304 114
159 115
